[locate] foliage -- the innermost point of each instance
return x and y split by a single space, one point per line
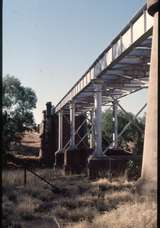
134 169
132 133
18 102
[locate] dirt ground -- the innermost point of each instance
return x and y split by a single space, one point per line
28 146
31 139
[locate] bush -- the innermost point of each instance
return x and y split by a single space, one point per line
133 170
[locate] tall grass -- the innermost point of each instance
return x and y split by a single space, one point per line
135 215
80 203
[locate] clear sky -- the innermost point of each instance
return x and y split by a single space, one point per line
49 44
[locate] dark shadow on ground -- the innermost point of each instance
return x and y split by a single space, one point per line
26 150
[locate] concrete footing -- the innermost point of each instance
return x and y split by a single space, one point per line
71 161
118 160
75 160
84 154
59 159
97 166
146 187
113 164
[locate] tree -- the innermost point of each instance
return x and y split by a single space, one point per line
18 103
132 134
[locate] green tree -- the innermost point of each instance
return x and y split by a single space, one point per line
132 133
18 103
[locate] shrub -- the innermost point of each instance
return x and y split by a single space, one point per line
133 170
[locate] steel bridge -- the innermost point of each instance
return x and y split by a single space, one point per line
120 70
123 68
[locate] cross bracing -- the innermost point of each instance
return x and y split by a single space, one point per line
122 68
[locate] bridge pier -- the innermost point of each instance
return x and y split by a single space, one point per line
74 155
48 142
42 135
70 155
59 155
147 184
97 161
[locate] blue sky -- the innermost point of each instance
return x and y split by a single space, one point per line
49 44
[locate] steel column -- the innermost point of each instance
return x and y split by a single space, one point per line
92 129
72 125
98 128
60 132
115 125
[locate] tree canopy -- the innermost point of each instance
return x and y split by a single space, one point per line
18 104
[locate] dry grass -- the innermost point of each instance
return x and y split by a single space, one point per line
136 215
25 208
80 203
28 147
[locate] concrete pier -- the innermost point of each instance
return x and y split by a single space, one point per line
147 184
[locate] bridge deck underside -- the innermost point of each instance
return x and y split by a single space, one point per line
128 75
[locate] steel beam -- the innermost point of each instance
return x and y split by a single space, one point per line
126 126
81 140
129 123
130 119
